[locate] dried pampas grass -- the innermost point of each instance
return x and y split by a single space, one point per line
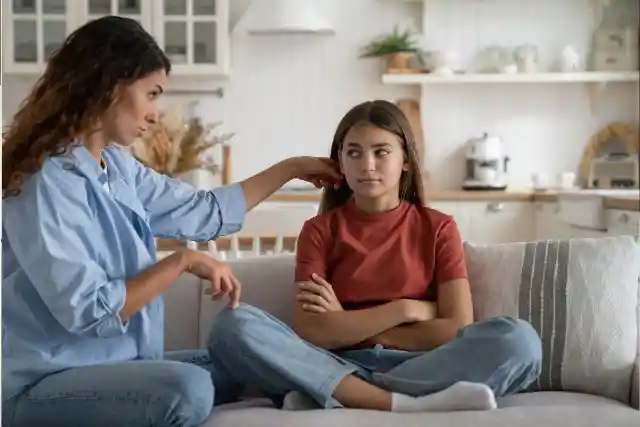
174 145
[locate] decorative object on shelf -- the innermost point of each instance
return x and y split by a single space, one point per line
569 60
182 147
612 138
496 59
615 39
526 58
399 48
441 62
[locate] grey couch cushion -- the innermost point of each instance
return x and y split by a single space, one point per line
581 295
546 409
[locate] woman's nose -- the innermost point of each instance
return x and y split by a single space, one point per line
152 118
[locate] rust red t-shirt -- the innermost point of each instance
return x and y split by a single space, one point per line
373 258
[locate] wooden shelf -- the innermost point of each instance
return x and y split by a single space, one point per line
583 77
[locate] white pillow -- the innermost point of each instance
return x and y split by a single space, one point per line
581 295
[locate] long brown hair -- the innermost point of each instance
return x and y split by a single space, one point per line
385 115
76 88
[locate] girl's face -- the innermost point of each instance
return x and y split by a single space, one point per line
372 161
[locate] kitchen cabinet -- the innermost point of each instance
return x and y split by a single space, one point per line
548 224
32 30
193 33
500 222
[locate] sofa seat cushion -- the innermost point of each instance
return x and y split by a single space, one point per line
561 409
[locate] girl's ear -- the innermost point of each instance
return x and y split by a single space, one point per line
405 164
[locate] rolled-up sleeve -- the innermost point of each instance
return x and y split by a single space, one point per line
179 211
50 232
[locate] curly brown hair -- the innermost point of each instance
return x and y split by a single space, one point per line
76 88
388 116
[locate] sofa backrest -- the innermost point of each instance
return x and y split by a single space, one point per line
581 295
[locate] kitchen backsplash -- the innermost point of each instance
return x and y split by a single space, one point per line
286 94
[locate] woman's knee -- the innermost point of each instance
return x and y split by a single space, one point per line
184 393
233 326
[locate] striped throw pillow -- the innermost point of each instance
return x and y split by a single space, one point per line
582 297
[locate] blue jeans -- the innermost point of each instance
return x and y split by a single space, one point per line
502 352
176 391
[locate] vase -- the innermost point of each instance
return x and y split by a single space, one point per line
399 60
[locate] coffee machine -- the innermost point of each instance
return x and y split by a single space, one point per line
486 164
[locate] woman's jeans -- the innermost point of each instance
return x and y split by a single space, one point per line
176 391
502 352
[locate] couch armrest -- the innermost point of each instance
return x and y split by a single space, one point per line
635 385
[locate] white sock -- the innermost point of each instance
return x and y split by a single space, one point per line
462 396
296 401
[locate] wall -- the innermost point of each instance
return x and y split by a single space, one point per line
545 126
287 94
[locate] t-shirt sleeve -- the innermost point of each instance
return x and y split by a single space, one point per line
311 252
450 259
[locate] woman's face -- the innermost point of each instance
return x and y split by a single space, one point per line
134 109
372 161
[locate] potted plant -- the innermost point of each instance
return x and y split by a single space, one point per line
398 48
182 148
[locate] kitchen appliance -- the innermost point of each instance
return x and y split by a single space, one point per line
486 164
615 170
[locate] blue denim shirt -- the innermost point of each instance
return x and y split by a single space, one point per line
69 245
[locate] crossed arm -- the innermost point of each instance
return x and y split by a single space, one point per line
403 324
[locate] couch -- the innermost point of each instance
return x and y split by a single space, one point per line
581 295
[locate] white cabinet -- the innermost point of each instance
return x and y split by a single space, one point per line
32 30
491 222
548 224
193 33
500 222
140 10
622 222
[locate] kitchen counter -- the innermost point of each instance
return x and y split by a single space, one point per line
436 196
624 203
631 203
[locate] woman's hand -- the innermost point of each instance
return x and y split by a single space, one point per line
322 172
317 296
223 282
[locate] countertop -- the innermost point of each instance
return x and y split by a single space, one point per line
631 203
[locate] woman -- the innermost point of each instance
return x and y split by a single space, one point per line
83 312
364 334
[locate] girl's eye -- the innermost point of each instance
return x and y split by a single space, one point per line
153 95
382 152
352 153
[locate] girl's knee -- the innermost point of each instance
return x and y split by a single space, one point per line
512 337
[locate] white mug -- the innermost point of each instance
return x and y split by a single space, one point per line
540 180
566 180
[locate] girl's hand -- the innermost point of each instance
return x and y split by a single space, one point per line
317 296
223 282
